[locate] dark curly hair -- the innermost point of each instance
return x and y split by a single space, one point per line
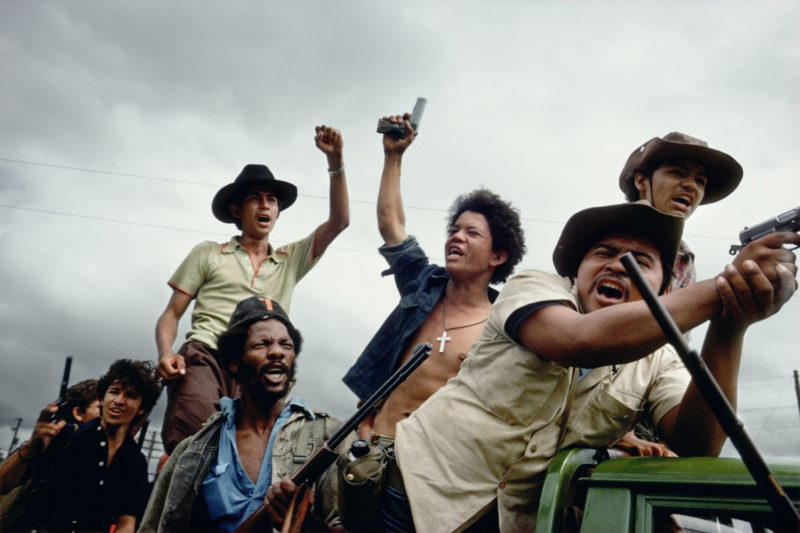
504 224
137 374
79 395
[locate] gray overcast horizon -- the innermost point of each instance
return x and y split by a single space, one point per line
121 120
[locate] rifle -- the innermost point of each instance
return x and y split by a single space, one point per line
398 131
61 402
718 403
788 221
326 455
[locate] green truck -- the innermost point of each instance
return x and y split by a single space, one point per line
585 490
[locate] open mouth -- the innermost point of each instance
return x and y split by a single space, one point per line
684 200
454 251
611 290
275 373
263 219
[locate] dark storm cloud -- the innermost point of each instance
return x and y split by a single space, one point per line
538 101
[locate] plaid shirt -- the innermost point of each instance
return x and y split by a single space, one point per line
684 273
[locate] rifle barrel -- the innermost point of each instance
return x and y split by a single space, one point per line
65 377
717 402
421 352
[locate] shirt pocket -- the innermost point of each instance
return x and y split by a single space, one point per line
520 388
611 412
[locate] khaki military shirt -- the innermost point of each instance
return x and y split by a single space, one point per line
492 430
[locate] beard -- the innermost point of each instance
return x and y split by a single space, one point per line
260 390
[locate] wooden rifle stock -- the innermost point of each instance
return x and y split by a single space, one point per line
326 455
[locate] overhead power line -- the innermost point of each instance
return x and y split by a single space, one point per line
205 184
115 221
106 172
156 226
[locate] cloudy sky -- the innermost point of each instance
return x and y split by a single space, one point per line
122 119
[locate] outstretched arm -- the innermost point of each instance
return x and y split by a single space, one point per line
747 296
391 219
605 336
329 141
767 252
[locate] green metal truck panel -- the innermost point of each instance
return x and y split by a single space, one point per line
584 491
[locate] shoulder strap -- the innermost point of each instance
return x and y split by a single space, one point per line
310 438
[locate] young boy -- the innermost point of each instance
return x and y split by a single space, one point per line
675 174
92 476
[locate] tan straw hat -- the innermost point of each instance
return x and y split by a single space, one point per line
724 173
585 228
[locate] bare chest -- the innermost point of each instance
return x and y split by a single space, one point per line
451 331
450 347
251 453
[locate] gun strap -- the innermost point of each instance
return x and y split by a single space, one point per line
296 513
310 438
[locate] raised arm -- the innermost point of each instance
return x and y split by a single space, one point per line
391 219
329 141
170 364
747 296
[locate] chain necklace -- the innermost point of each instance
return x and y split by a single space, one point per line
444 338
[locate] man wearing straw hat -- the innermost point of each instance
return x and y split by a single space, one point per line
525 390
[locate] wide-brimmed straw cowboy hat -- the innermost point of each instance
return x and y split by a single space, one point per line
585 228
723 172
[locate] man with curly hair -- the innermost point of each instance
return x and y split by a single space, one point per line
446 306
92 476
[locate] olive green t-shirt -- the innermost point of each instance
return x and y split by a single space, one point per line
219 276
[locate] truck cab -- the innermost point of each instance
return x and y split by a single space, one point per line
585 490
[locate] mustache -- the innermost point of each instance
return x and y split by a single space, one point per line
268 366
612 275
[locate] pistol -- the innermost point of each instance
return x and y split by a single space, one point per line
398 131
62 394
788 221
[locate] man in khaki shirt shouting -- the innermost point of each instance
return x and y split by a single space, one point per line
577 360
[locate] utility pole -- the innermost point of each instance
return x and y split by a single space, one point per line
14 439
797 387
